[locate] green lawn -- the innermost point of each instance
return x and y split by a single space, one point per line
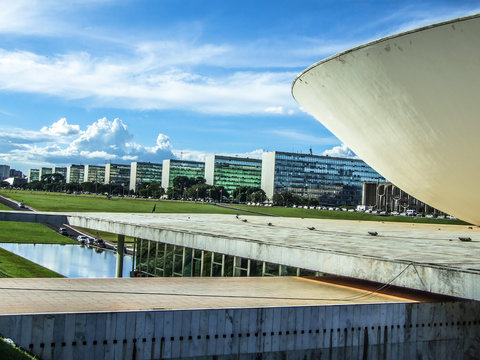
4 207
14 266
30 233
63 202
343 215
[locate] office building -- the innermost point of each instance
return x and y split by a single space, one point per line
75 174
117 174
94 174
33 175
232 172
60 170
4 172
16 174
144 172
332 181
173 168
45 171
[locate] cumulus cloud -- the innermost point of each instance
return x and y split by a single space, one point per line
340 151
102 141
61 128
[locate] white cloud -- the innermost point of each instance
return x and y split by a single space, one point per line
61 128
139 84
279 110
102 141
340 151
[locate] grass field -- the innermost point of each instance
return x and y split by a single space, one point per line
43 201
30 233
4 207
14 266
62 202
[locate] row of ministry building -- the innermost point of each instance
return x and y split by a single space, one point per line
331 180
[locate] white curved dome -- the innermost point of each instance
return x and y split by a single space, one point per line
409 106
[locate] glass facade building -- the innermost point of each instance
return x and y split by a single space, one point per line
4 171
33 175
173 168
232 172
94 173
332 181
75 174
144 172
117 174
60 170
45 171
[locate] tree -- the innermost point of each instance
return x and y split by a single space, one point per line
257 196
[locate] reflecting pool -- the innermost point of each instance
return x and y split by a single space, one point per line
73 261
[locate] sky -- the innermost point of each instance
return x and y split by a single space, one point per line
97 81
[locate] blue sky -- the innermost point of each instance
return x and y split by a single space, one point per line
95 81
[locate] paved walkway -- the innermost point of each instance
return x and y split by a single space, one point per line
23 296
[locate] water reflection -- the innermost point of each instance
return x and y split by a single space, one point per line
73 261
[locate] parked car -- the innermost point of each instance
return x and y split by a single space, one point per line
21 205
100 243
62 231
82 238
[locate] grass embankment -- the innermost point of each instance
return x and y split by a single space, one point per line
10 352
30 233
4 207
14 266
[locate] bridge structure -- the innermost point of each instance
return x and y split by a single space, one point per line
196 318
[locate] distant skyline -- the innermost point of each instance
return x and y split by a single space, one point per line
120 80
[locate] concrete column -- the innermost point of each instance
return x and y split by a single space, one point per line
134 250
120 252
234 266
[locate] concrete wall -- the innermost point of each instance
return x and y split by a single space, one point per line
210 169
268 173
166 174
393 331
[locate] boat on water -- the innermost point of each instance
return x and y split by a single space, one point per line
409 106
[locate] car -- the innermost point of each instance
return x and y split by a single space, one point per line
394 213
90 240
21 205
99 243
62 231
82 238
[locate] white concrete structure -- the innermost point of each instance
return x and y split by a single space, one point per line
427 257
408 105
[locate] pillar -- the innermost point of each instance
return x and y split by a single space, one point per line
120 252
